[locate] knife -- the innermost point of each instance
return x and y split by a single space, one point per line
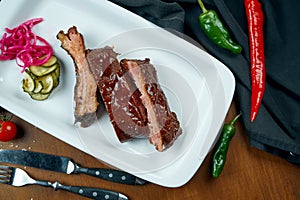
65 165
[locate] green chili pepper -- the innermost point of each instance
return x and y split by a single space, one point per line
219 156
216 31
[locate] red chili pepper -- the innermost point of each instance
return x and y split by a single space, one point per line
255 19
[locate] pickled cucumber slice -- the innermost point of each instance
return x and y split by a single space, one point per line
39 96
48 84
52 60
42 71
38 86
28 82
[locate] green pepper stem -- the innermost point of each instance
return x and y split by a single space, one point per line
202 6
235 119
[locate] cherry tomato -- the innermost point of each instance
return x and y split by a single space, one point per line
8 131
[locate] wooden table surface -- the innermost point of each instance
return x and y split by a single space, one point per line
248 174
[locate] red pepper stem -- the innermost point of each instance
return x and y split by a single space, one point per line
202 6
234 120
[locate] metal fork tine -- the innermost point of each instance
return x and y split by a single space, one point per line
5 174
5 168
4 181
4 171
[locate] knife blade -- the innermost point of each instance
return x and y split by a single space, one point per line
65 165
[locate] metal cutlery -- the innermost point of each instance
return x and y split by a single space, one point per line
18 177
65 165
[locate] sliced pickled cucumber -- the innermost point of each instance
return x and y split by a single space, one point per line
39 81
28 82
39 96
52 60
48 84
56 73
55 76
41 70
38 86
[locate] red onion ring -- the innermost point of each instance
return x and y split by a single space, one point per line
22 44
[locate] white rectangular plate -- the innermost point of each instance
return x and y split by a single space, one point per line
198 87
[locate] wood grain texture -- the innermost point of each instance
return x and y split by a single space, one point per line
248 174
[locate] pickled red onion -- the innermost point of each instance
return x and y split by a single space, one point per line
22 44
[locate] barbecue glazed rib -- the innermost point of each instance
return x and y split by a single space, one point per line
163 124
85 90
132 96
119 94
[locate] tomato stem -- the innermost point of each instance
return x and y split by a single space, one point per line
5 116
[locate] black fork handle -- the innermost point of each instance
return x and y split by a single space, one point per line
93 193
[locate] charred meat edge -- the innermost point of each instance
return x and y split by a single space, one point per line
85 90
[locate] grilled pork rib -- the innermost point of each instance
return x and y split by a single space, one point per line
135 102
119 94
133 98
163 124
85 90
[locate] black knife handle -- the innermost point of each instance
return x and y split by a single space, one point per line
93 193
111 175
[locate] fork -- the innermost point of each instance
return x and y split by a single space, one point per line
18 177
